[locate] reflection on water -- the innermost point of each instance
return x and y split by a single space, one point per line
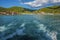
30 27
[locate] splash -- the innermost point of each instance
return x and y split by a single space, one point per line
2 28
30 27
51 34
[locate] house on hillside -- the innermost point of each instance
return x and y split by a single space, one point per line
43 13
2 13
8 13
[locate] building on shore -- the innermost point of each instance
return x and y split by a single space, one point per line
8 13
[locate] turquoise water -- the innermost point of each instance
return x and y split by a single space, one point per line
42 27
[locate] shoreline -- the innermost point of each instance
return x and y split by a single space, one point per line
42 13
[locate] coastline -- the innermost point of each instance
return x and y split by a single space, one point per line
30 14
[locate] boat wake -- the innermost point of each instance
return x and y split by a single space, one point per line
34 29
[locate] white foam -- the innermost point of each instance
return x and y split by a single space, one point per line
22 25
2 28
12 23
42 27
51 34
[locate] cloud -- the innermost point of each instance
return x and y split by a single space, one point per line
54 1
33 4
37 3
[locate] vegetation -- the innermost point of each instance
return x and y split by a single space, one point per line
19 10
52 9
14 9
2 9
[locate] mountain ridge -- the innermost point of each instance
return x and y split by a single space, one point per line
17 10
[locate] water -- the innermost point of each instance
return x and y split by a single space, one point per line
30 27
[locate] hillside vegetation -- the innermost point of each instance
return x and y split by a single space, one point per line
18 10
52 9
14 9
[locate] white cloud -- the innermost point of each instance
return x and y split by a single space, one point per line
54 1
37 3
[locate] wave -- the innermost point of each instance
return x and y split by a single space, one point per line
32 29
28 27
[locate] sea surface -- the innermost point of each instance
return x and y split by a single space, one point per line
30 27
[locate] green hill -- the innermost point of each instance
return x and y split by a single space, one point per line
15 9
52 9
18 10
2 9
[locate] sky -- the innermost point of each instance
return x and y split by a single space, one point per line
27 3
